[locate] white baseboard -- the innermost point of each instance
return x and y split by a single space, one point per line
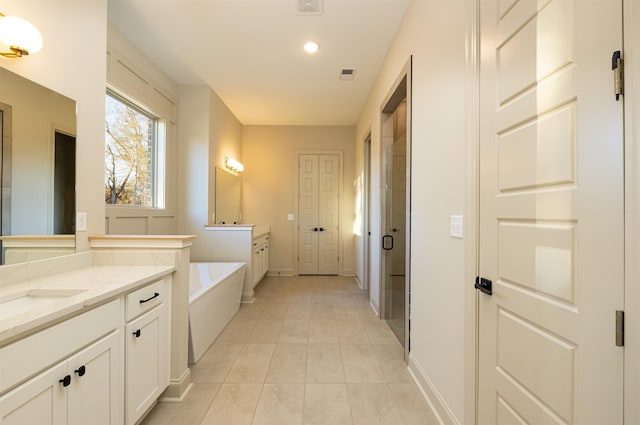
440 408
177 389
280 272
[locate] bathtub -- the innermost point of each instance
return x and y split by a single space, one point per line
215 290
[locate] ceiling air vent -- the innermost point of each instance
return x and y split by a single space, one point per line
309 7
347 74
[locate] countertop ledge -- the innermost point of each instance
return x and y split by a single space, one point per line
97 284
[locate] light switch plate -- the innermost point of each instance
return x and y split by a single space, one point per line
81 221
290 217
456 226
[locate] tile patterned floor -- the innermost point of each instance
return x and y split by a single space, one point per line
308 351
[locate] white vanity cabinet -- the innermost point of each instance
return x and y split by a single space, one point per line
259 258
73 372
147 347
105 364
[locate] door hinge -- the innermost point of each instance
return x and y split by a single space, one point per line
619 328
617 65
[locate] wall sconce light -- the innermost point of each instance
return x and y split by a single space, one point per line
233 165
21 37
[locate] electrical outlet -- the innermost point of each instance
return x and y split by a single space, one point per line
290 217
456 226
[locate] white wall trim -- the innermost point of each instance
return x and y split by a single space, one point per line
471 201
435 400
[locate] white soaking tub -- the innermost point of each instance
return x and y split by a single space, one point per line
215 290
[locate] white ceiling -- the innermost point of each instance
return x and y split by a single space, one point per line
250 52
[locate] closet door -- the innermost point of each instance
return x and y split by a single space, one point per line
329 213
318 209
308 213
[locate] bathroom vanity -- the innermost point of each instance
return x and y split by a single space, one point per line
86 346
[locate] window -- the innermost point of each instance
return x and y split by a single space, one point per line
134 155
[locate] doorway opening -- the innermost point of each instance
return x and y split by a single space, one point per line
64 184
366 214
396 208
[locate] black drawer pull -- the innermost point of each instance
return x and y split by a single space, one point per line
66 381
81 371
137 333
150 298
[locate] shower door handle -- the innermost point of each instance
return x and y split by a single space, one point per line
387 242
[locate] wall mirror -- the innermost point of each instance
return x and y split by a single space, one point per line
37 170
228 197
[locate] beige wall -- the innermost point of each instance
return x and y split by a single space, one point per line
208 131
269 156
434 33
72 62
131 74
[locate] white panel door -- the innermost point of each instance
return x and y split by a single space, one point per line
318 209
329 213
308 214
551 213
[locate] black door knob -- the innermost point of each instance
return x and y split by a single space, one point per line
137 333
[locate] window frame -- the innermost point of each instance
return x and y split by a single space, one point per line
158 151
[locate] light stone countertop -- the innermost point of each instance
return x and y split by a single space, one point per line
96 285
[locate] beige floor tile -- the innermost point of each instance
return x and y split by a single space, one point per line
237 331
214 365
411 405
326 404
378 332
294 332
288 364
250 311
323 332
235 404
190 411
360 364
322 311
252 364
274 310
299 312
371 404
365 312
391 360
345 311
351 332
266 331
324 364
280 404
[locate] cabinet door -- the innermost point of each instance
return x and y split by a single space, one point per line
95 394
145 360
255 266
40 401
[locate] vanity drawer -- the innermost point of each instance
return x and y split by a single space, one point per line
144 299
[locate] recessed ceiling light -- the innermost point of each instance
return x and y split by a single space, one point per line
311 47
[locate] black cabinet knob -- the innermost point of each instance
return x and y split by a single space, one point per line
80 371
66 381
137 333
